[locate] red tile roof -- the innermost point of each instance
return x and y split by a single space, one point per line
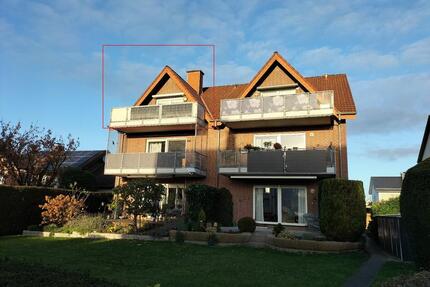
343 100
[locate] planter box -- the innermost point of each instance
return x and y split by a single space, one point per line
313 245
231 238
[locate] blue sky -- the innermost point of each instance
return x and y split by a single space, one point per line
50 61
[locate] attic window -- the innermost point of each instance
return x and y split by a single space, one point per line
169 100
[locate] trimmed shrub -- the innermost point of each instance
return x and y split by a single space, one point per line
386 207
83 179
342 209
246 224
216 203
415 210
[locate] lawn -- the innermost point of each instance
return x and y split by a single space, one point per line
393 269
139 263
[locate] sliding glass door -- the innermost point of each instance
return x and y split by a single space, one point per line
280 204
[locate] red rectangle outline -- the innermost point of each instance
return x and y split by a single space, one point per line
148 45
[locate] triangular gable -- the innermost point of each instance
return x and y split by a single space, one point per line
172 79
277 69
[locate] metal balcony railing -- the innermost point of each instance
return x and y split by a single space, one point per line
278 106
153 115
277 162
153 164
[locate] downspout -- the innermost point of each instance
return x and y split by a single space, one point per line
217 153
339 130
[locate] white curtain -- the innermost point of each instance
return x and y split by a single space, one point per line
155 147
302 204
259 214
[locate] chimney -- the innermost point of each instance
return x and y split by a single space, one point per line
195 79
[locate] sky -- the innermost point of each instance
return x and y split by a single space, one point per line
50 61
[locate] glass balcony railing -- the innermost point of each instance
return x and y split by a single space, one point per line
277 162
156 164
278 106
157 115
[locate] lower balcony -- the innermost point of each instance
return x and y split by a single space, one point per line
277 163
159 164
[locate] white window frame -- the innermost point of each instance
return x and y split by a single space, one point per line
278 137
279 200
166 140
173 185
282 92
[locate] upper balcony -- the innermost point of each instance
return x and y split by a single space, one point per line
278 110
297 163
156 164
179 116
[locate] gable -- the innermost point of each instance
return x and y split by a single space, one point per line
277 72
277 77
169 87
168 82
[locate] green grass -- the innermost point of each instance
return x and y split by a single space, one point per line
139 263
22 274
391 270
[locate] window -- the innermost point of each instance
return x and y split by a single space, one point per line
166 145
282 204
288 141
174 197
170 100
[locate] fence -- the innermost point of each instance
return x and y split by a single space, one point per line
392 237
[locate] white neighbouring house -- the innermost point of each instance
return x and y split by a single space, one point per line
385 187
425 145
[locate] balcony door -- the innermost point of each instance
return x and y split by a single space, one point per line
280 204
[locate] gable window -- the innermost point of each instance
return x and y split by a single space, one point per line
167 99
292 141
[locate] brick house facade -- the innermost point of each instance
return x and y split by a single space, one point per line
179 133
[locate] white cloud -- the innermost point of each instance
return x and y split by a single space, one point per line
391 105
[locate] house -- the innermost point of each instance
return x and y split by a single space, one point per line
385 187
425 144
269 141
92 161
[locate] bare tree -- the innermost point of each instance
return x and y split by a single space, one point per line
33 156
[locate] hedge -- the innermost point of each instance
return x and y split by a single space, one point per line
216 203
342 209
19 205
386 207
415 210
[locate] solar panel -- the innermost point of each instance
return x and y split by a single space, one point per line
78 158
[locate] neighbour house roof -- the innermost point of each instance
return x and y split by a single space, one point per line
81 158
425 142
385 182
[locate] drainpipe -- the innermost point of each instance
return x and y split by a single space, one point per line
217 154
339 144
